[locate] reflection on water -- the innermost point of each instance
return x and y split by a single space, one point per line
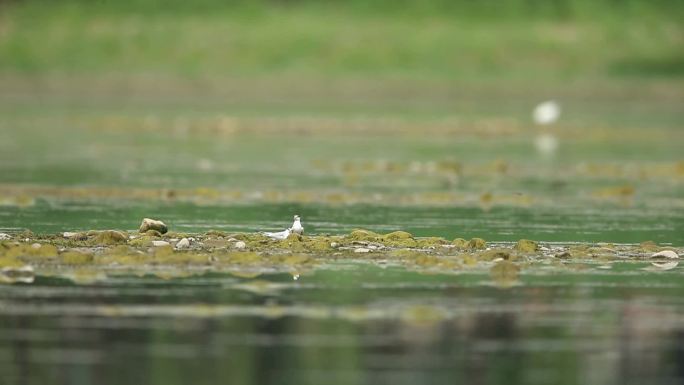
362 325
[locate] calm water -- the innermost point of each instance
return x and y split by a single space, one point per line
456 167
347 324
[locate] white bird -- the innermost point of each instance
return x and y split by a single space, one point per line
546 112
297 226
279 235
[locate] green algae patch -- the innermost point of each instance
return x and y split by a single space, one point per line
364 235
110 237
153 233
526 246
399 239
477 244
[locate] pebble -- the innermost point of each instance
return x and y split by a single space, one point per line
362 250
240 245
183 243
159 243
334 245
666 254
36 246
665 265
69 234
4 237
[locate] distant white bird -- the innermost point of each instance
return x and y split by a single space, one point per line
546 112
279 235
297 226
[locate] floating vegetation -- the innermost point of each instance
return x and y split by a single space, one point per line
107 252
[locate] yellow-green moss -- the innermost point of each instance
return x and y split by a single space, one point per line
424 243
477 244
460 243
397 235
505 273
526 246
75 258
364 235
649 246
110 237
153 233
490 255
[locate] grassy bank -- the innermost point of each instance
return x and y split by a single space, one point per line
564 40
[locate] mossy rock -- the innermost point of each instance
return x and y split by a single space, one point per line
649 246
397 236
526 246
364 235
428 242
75 258
477 244
153 233
110 237
143 241
322 244
460 243
490 255
218 233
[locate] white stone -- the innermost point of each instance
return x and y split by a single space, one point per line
4 237
240 245
362 250
160 243
183 243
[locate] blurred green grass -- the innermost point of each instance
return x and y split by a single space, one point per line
418 39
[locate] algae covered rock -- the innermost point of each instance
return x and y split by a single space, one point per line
399 239
649 246
494 254
398 235
477 244
110 237
363 235
460 243
152 224
526 246
428 242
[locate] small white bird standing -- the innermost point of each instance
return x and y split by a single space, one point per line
297 226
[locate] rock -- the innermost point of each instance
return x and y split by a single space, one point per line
4 237
153 224
160 243
398 235
153 233
362 250
669 254
110 237
460 243
183 243
334 245
477 244
668 260
526 246
363 235
240 245
78 236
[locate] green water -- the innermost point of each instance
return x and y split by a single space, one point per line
446 166
347 324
